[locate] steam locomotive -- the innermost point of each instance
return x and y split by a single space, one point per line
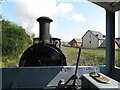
45 52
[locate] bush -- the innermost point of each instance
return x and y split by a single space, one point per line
14 41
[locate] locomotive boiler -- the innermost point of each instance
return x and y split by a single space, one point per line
43 53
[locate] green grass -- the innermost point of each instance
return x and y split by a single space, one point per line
88 57
117 59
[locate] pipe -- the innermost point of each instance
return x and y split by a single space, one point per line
44 24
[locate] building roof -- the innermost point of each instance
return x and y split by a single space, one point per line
97 34
111 5
77 40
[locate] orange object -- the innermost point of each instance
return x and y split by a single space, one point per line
100 78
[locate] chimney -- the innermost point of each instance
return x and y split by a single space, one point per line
44 25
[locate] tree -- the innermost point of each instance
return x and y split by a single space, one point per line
14 39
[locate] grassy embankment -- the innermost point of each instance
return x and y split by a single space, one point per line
117 58
88 56
8 61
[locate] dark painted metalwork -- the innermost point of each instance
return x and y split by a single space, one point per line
110 40
44 25
78 59
44 53
56 42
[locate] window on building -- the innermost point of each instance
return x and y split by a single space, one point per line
90 42
97 35
104 36
90 36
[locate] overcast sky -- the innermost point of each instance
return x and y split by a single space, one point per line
71 18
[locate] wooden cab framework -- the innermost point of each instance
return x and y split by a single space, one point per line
61 77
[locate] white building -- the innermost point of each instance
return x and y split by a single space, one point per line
92 39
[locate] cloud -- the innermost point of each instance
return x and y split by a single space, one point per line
67 37
98 27
28 11
78 17
64 8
